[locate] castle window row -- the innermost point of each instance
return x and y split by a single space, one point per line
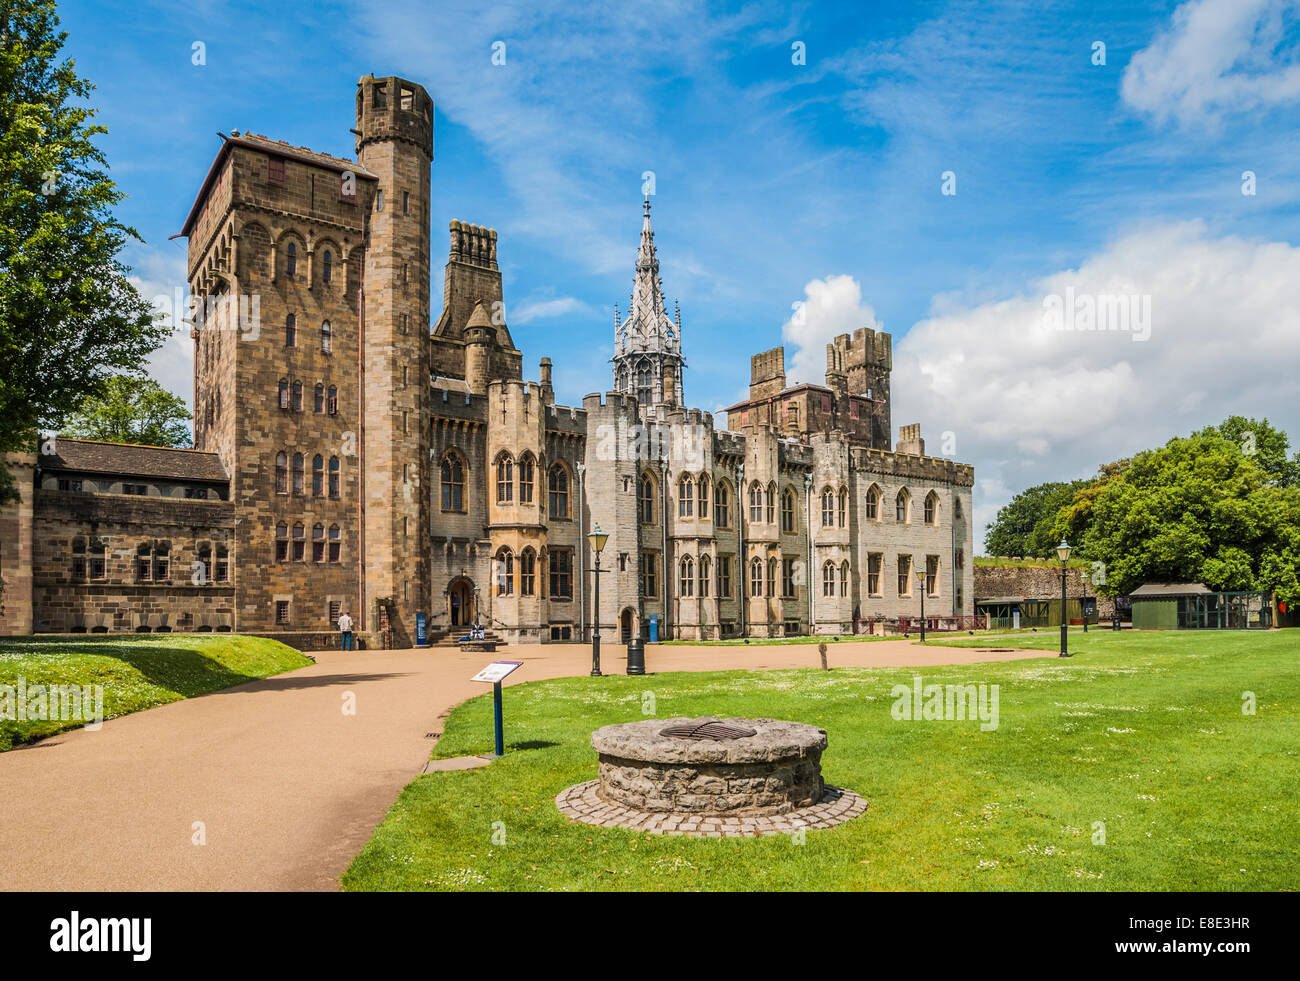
903 506
325 401
327 259
294 549
515 481
291 474
326 332
151 563
693 492
509 574
110 485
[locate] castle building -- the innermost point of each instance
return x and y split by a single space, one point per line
351 455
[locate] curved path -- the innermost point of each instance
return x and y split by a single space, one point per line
286 786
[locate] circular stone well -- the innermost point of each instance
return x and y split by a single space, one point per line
710 776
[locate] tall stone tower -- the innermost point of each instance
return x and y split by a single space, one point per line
395 143
648 358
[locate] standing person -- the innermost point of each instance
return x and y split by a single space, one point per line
345 630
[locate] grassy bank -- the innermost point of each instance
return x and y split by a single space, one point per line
1141 737
136 672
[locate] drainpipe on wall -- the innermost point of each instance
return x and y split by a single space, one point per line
668 565
742 560
361 445
811 579
581 470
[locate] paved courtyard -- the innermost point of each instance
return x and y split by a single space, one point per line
286 786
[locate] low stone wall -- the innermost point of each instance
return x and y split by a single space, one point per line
1037 582
309 640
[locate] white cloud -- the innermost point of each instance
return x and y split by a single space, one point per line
1025 404
1217 57
1028 404
830 307
531 310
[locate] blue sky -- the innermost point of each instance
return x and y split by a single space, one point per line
819 183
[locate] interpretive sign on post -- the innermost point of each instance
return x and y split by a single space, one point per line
494 673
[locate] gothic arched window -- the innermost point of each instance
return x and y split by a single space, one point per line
453 483
685 497
557 491
645 500
526 479
644 383
505 479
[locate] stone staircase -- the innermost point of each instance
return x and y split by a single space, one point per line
447 637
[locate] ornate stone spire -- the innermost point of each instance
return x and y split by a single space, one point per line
647 344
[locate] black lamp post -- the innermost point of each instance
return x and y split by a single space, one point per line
1063 553
920 578
597 539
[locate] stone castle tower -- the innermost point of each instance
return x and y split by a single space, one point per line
395 143
648 358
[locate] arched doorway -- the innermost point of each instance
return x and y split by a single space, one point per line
460 602
626 621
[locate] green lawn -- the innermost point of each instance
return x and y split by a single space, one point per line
864 638
137 672
1142 732
771 641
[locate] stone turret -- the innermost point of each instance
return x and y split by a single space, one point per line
480 336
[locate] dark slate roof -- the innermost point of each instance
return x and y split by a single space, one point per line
1163 589
280 149
131 460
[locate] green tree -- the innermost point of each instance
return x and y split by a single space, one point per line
1197 510
1074 519
132 410
1027 524
69 319
1268 445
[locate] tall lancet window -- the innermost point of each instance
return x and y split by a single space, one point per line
644 383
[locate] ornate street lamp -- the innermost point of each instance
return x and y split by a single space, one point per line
920 578
1063 553
598 539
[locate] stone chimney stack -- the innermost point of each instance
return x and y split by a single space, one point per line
910 441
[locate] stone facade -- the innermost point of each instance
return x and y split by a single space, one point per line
375 462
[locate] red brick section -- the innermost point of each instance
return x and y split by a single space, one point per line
287 786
